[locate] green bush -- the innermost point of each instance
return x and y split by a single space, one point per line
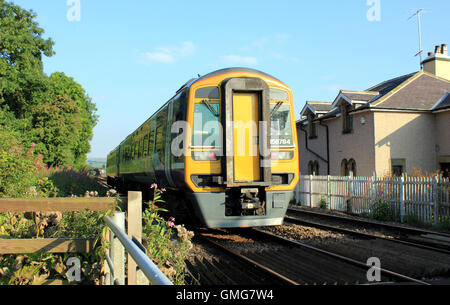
382 211
323 204
19 170
167 244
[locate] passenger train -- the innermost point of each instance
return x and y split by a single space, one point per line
225 146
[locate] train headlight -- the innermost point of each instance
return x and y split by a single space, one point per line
282 155
205 156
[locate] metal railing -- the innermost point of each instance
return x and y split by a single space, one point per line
146 271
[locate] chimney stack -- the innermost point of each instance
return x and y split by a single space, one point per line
438 63
444 49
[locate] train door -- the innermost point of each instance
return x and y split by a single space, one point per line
246 137
246 118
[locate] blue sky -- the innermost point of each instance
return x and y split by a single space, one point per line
131 56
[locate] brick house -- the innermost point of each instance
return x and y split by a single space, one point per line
391 128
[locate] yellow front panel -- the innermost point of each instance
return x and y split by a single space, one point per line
246 152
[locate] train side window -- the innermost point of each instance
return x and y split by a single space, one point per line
131 151
136 145
151 141
179 115
145 145
161 135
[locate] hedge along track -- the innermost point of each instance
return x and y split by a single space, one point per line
295 262
437 242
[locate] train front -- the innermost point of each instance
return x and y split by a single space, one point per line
242 159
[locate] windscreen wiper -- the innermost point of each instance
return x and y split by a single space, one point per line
277 106
213 111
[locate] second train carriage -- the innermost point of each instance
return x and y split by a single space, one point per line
226 143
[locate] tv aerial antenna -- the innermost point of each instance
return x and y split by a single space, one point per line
419 13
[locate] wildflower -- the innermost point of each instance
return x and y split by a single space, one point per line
163 190
33 145
171 222
154 186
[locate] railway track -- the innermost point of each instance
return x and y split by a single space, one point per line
289 262
424 239
404 250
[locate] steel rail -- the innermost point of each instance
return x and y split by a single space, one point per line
340 257
407 230
364 235
151 271
265 269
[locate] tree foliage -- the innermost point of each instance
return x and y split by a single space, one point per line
52 111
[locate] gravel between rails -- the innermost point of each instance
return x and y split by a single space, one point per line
410 261
209 266
301 265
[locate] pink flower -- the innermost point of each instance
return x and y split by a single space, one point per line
163 190
171 222
154 186
33 145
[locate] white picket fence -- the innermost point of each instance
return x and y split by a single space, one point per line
428 199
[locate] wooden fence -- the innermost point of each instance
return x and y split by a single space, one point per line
52 245
427 199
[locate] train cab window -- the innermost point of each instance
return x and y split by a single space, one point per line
208 93
278 95
280 125
206 130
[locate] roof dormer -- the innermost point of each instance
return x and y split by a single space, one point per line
354 98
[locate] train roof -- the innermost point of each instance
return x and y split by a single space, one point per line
190 82
231 70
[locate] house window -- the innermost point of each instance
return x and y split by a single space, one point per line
351 165
348 168
347 119
344 168
398 167
445 168
313 168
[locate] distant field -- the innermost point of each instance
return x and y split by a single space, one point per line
96 162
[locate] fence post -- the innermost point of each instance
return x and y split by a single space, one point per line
117 250
402 198
436 201
310 191
373 191
350 193
328 192
134 221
